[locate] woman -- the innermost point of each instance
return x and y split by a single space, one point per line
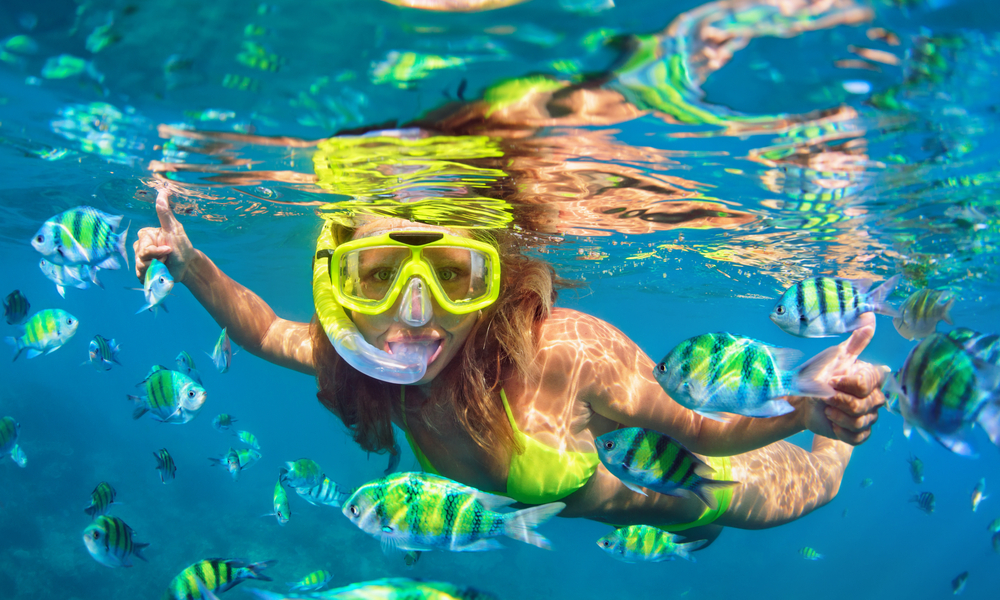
508 393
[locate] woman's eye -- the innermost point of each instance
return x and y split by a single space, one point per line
383 275
447 275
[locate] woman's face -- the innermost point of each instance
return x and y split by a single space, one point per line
444 333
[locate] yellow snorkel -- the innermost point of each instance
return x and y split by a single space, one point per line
404 368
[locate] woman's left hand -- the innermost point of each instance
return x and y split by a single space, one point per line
849 415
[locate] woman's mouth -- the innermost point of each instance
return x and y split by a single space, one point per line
427 349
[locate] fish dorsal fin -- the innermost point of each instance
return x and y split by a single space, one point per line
861 285
785 358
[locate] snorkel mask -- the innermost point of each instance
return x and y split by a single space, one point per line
368 275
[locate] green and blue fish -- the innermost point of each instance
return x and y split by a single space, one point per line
165 465
222 355
156 286
302 473
248 438
223 421
103 353
718 373
979 493
281 510
44 333
958 583
809 554
420 511
643 458
916 469
109 541
925 501
64 276
101 500
326 492
312 582
985 347
216 575
920 313
185 364
82 235
9 430
825 306
644 543
943 390
171 397
15 308
236 461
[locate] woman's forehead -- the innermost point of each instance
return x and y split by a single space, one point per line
385 225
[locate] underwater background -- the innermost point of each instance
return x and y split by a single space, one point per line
852 139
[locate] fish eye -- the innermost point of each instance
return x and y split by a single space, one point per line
97 535
662 367
780 310
191 394
162 280
354 510
69 321
608 445
40 239
606 544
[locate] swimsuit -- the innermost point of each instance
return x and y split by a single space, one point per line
543 474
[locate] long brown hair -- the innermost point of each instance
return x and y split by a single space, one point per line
502 344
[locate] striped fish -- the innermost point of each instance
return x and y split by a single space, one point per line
916 469
325 492
304 472
18 456
101 500
165 464
809 554
312 582
82 235
943 390
825 306
920 313
15 308
924 501
222 355
216 574
103 353
281 510
171 397
646 458
979 493
985 347
994 526
420 511
223 421
236 461
156 286
248 438
395 588
644 543
720 372
44 333
9 430
185 364
78 276
109 541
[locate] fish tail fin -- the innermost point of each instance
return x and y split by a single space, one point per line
706 489
138 548
16 344
140 406
684 550
878 296
253 570
521 525
807 378
144 308
946 313
120 244
989 420
91 510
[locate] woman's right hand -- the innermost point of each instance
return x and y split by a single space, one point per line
167 243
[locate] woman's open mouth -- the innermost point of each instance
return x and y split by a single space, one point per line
426 349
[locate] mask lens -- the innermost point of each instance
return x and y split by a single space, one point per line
462 273
368 274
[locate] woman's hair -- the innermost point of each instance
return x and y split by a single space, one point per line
501 345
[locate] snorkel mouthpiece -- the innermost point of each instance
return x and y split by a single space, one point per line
416 309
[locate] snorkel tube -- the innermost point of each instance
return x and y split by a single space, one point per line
406 367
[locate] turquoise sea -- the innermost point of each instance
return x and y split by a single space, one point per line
741 146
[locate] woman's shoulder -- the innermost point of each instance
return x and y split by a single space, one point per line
580 330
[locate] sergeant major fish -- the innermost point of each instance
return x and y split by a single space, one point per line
420 511
979 493
9 430
45 332
171 397
720 372
216 575
920 313
924 501
222 355
809 554
825 306
281 510
916 469
156 286
644 543
236 461
312 582
101 500
223 421
78 276
325 492
646 458
82 235
103 353
248 438
302 473
985 347
15 308
165 465
109 541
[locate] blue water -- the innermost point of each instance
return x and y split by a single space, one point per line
920 197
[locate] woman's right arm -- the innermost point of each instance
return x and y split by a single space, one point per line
250 322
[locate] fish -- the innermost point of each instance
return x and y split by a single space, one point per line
985 347
943 390
420 511
312 582
103 353
18 456
216 575
866 483
916 469
222 356
402 69
394 456
109 541
395 588
826 306
171 397
281 510
15 308
958 583
248 438
996 542
994 525
223 421
644 543
809 554
920 313
979 493
645 458
925 501
82 235
303 473
887 445
411 557
185 364
9 430
78 276
101 500
325 492
44 332
237 461
156 286
165 465
720 372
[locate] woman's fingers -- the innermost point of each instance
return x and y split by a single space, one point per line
861 337
851 422
168 222
863 379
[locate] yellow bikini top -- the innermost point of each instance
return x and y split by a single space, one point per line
539 474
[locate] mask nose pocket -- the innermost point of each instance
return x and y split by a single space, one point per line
415 309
